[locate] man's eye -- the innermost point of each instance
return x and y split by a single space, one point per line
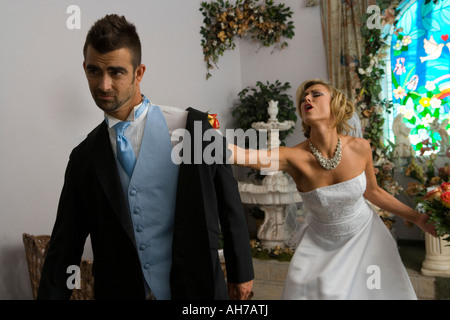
93 71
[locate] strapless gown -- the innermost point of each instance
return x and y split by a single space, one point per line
344 250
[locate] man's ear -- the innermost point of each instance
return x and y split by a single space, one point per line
139 73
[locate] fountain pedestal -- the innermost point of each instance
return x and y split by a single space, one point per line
276 191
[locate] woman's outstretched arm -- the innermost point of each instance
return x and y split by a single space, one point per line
265 160
382 199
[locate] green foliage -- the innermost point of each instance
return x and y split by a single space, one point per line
439 216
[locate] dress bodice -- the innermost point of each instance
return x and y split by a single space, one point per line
339 209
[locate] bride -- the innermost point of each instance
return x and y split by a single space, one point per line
344 250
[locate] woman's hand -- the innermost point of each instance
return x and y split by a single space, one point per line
422 223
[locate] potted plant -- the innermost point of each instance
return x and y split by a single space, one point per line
252 103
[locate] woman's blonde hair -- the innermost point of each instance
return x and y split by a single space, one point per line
341 108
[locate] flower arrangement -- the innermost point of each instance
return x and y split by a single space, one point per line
431 191
268 24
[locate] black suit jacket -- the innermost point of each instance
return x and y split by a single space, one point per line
92 203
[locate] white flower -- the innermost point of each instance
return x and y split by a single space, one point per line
409 114
415 139
430 86
427 120
435 103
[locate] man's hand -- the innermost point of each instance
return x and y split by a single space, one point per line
240 291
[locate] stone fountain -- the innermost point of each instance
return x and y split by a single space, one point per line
277 189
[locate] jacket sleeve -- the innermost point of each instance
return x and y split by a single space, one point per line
233 225
66 242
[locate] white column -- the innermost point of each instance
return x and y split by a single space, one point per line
437 257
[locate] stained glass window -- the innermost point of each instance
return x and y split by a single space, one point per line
420 75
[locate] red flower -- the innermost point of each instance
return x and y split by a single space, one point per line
445 187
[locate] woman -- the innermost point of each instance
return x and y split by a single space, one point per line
344 250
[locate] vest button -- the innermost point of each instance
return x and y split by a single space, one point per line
137 211
139 229
146 266
133 192
143 247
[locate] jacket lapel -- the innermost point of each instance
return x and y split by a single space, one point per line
106 168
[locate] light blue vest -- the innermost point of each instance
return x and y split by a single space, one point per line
151 196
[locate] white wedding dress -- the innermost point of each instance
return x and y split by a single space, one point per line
344 249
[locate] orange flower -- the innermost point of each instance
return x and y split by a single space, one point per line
435 181
213 121
413 188
434 194
445 199
222 36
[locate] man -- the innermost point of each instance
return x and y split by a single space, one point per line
154 226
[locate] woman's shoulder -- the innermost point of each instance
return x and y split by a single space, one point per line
358 145
295 154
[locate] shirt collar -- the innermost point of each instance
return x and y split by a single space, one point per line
112 121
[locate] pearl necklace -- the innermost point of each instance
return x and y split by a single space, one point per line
328 164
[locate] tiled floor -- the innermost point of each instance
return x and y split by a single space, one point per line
427 288
270 274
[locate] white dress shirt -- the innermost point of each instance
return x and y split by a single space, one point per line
175 119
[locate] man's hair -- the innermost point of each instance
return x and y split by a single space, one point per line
114 32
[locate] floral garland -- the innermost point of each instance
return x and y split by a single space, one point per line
370 105
265 23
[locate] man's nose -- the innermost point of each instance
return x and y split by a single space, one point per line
105 83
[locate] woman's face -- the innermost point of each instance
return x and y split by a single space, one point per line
315 104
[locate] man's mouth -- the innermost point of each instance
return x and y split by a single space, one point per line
105 97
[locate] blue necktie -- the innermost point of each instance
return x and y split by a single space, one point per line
125 152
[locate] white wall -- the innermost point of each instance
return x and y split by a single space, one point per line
46 108
303 59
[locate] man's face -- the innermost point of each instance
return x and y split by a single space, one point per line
113 83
